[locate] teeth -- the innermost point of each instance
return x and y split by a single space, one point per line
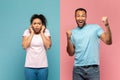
80 21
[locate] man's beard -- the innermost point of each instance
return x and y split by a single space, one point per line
81 26
80 23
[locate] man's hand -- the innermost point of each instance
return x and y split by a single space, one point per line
68 33
70 47
106 37
105 21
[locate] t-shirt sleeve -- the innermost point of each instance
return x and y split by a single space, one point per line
26 33
47 33
99 31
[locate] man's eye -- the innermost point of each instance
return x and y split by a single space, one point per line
78 15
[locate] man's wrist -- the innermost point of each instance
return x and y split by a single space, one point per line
107 24
68 38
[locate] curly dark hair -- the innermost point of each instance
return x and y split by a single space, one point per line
39 16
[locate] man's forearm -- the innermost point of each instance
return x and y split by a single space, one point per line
70 48
108 34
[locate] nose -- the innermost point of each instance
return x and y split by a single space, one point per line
80 18
37 25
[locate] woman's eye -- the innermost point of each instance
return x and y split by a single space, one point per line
34 23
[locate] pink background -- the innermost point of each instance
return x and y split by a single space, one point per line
110 55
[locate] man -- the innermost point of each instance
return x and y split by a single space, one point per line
83 43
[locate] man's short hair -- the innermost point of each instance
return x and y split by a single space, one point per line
80 9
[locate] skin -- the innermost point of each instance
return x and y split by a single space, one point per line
36 28
80 17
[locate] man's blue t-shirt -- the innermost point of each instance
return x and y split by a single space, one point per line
86 42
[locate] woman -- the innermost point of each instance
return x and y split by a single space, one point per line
36 40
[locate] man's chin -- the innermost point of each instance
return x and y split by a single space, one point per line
81 25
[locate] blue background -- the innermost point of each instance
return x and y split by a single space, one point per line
14 19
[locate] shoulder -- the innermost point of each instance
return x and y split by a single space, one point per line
74 29
93 25
26 32
47 32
